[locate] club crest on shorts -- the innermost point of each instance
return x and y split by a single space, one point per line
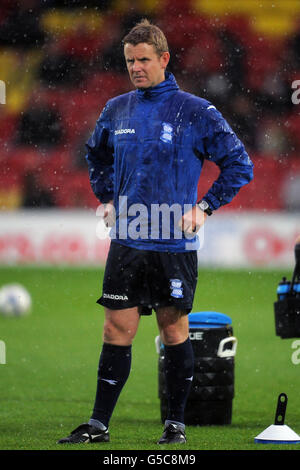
166 133
176 288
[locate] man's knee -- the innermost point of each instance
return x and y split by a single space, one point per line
172 335
110 331
173 326
119 329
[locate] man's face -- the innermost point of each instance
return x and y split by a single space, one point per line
146 69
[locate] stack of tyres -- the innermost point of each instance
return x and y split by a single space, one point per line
212 391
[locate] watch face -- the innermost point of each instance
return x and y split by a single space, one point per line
203 205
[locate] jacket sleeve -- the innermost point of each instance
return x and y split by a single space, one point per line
221 145
100 159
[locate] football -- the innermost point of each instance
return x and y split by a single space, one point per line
15 300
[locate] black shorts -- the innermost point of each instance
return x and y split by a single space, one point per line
148 279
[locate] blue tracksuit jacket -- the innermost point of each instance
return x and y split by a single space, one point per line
146 153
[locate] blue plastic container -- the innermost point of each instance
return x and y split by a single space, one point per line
283 289
296 288
208 319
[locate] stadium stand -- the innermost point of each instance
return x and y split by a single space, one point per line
61 61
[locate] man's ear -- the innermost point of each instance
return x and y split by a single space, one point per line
165 57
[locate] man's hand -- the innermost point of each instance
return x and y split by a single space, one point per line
109 214
192 221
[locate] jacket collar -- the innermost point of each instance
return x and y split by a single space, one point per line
169 84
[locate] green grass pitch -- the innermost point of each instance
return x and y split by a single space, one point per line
47 385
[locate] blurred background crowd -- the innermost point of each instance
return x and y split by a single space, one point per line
62 60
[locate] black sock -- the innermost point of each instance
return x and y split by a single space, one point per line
179 369
113 371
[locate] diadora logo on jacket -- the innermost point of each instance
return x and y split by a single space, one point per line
124 131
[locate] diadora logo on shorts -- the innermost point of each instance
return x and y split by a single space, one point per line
115 296
166 133
124 131
176 288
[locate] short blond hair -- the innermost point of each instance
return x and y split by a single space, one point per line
149 33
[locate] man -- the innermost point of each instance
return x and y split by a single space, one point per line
146 152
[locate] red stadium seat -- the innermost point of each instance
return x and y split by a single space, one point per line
184 30
75 191
8 123
262 193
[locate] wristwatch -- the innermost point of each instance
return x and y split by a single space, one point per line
203 205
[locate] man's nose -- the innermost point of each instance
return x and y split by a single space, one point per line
136 66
